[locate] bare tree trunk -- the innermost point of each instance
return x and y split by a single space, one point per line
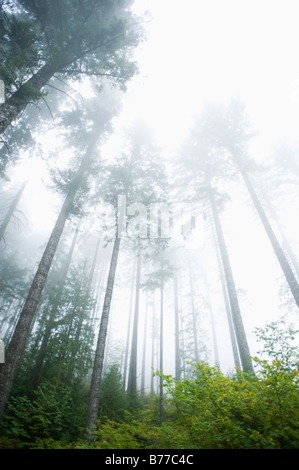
144 347
94 393
132 382
234 302
11 210
285 266
51 320
153 345
177 328
285 242
227 306
161 398
19 340
214 336
194 328
129 327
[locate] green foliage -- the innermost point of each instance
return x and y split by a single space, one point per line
217 412
208 411
278 343
48 414
90 37
113 401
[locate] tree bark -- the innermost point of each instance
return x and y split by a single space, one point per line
153 345
94 393
285 242
194 328
144 347
11 210
285 266
19 339
227 307
17 103
177 328
50 323
129 327
234 302
214 335
132 381
161 397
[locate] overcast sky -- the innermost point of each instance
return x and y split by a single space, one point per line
201 50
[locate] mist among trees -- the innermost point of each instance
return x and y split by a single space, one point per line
148 293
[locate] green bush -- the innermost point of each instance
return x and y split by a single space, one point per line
217 412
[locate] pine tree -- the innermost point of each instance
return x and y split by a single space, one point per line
70 38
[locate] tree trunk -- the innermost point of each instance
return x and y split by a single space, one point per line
129 327
153 345
177 328
144 347
14 105
234 302
22 330
214 335
50 323
161 401
94 393
285 266
194 328
132 382
227 306
285 242
19 340
11 210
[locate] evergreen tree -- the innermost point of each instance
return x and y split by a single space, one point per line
71 39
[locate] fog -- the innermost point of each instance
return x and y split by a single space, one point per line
169 139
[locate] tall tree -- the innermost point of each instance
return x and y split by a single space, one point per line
133 177
68 38
229 128
204 167
235 308
94 393
11 210
50 323
76 189
132 380
159 271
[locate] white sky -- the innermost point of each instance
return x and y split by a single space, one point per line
200 50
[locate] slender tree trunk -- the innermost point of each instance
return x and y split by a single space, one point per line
51 320
177 328
194 328
161 398
94 393
214 336
132 382
14 105
153 345
19 340
144 347
129 326
285 242
234 302
11 210
227 306
20 337
285 266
